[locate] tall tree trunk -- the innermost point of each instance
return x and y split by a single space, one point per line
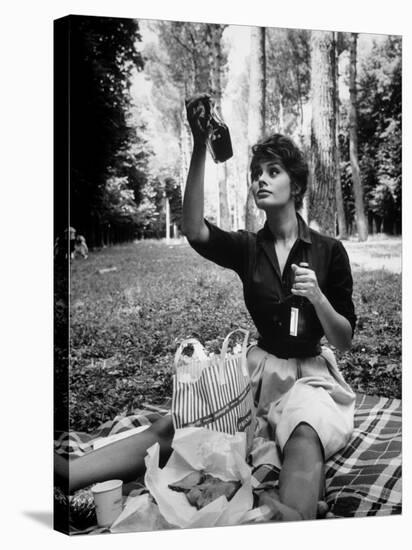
238 199
304 211
215 83
167 211
184 144
360 217
224 211
281 114
322 204
342 230
256 113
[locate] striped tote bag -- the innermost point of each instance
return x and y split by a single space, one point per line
213 391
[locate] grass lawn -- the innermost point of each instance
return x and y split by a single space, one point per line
126 324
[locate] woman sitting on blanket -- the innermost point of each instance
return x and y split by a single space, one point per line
297 287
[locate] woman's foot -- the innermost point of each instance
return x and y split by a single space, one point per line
281 512
323 509
278 510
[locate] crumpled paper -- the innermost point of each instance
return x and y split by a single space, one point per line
216 453
139 514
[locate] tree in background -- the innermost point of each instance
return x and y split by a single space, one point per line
288 71
287 80
340 208
380 134
288 87
123 155
214 34
178 63
236 99
360 218
102 57
188 58
256 113
322 204
174 197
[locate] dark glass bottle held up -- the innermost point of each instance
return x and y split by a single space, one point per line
218 141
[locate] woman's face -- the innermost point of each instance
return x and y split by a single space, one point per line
271 185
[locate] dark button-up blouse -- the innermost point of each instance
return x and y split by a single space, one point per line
267 292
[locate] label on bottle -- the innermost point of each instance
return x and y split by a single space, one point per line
294 320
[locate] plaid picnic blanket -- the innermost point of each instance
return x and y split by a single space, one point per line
364 479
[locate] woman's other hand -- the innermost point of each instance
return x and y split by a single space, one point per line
198 116
337 328
306 284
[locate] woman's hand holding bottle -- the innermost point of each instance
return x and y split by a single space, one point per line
198 116
306 284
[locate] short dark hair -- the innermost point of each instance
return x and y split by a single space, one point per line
284 150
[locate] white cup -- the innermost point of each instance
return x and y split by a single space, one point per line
108 500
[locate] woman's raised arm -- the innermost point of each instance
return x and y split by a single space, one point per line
193 224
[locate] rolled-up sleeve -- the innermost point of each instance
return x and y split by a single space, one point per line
224 248
340 286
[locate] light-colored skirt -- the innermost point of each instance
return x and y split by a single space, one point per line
288 392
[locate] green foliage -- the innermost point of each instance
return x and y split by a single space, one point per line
182 61
150 207
174 194
347 190
179 66
119 201
103 141
288 77
379 136
380 131
126 326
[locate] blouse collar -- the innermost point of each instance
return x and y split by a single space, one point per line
303 231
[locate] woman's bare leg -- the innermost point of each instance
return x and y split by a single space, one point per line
123 459
301 480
